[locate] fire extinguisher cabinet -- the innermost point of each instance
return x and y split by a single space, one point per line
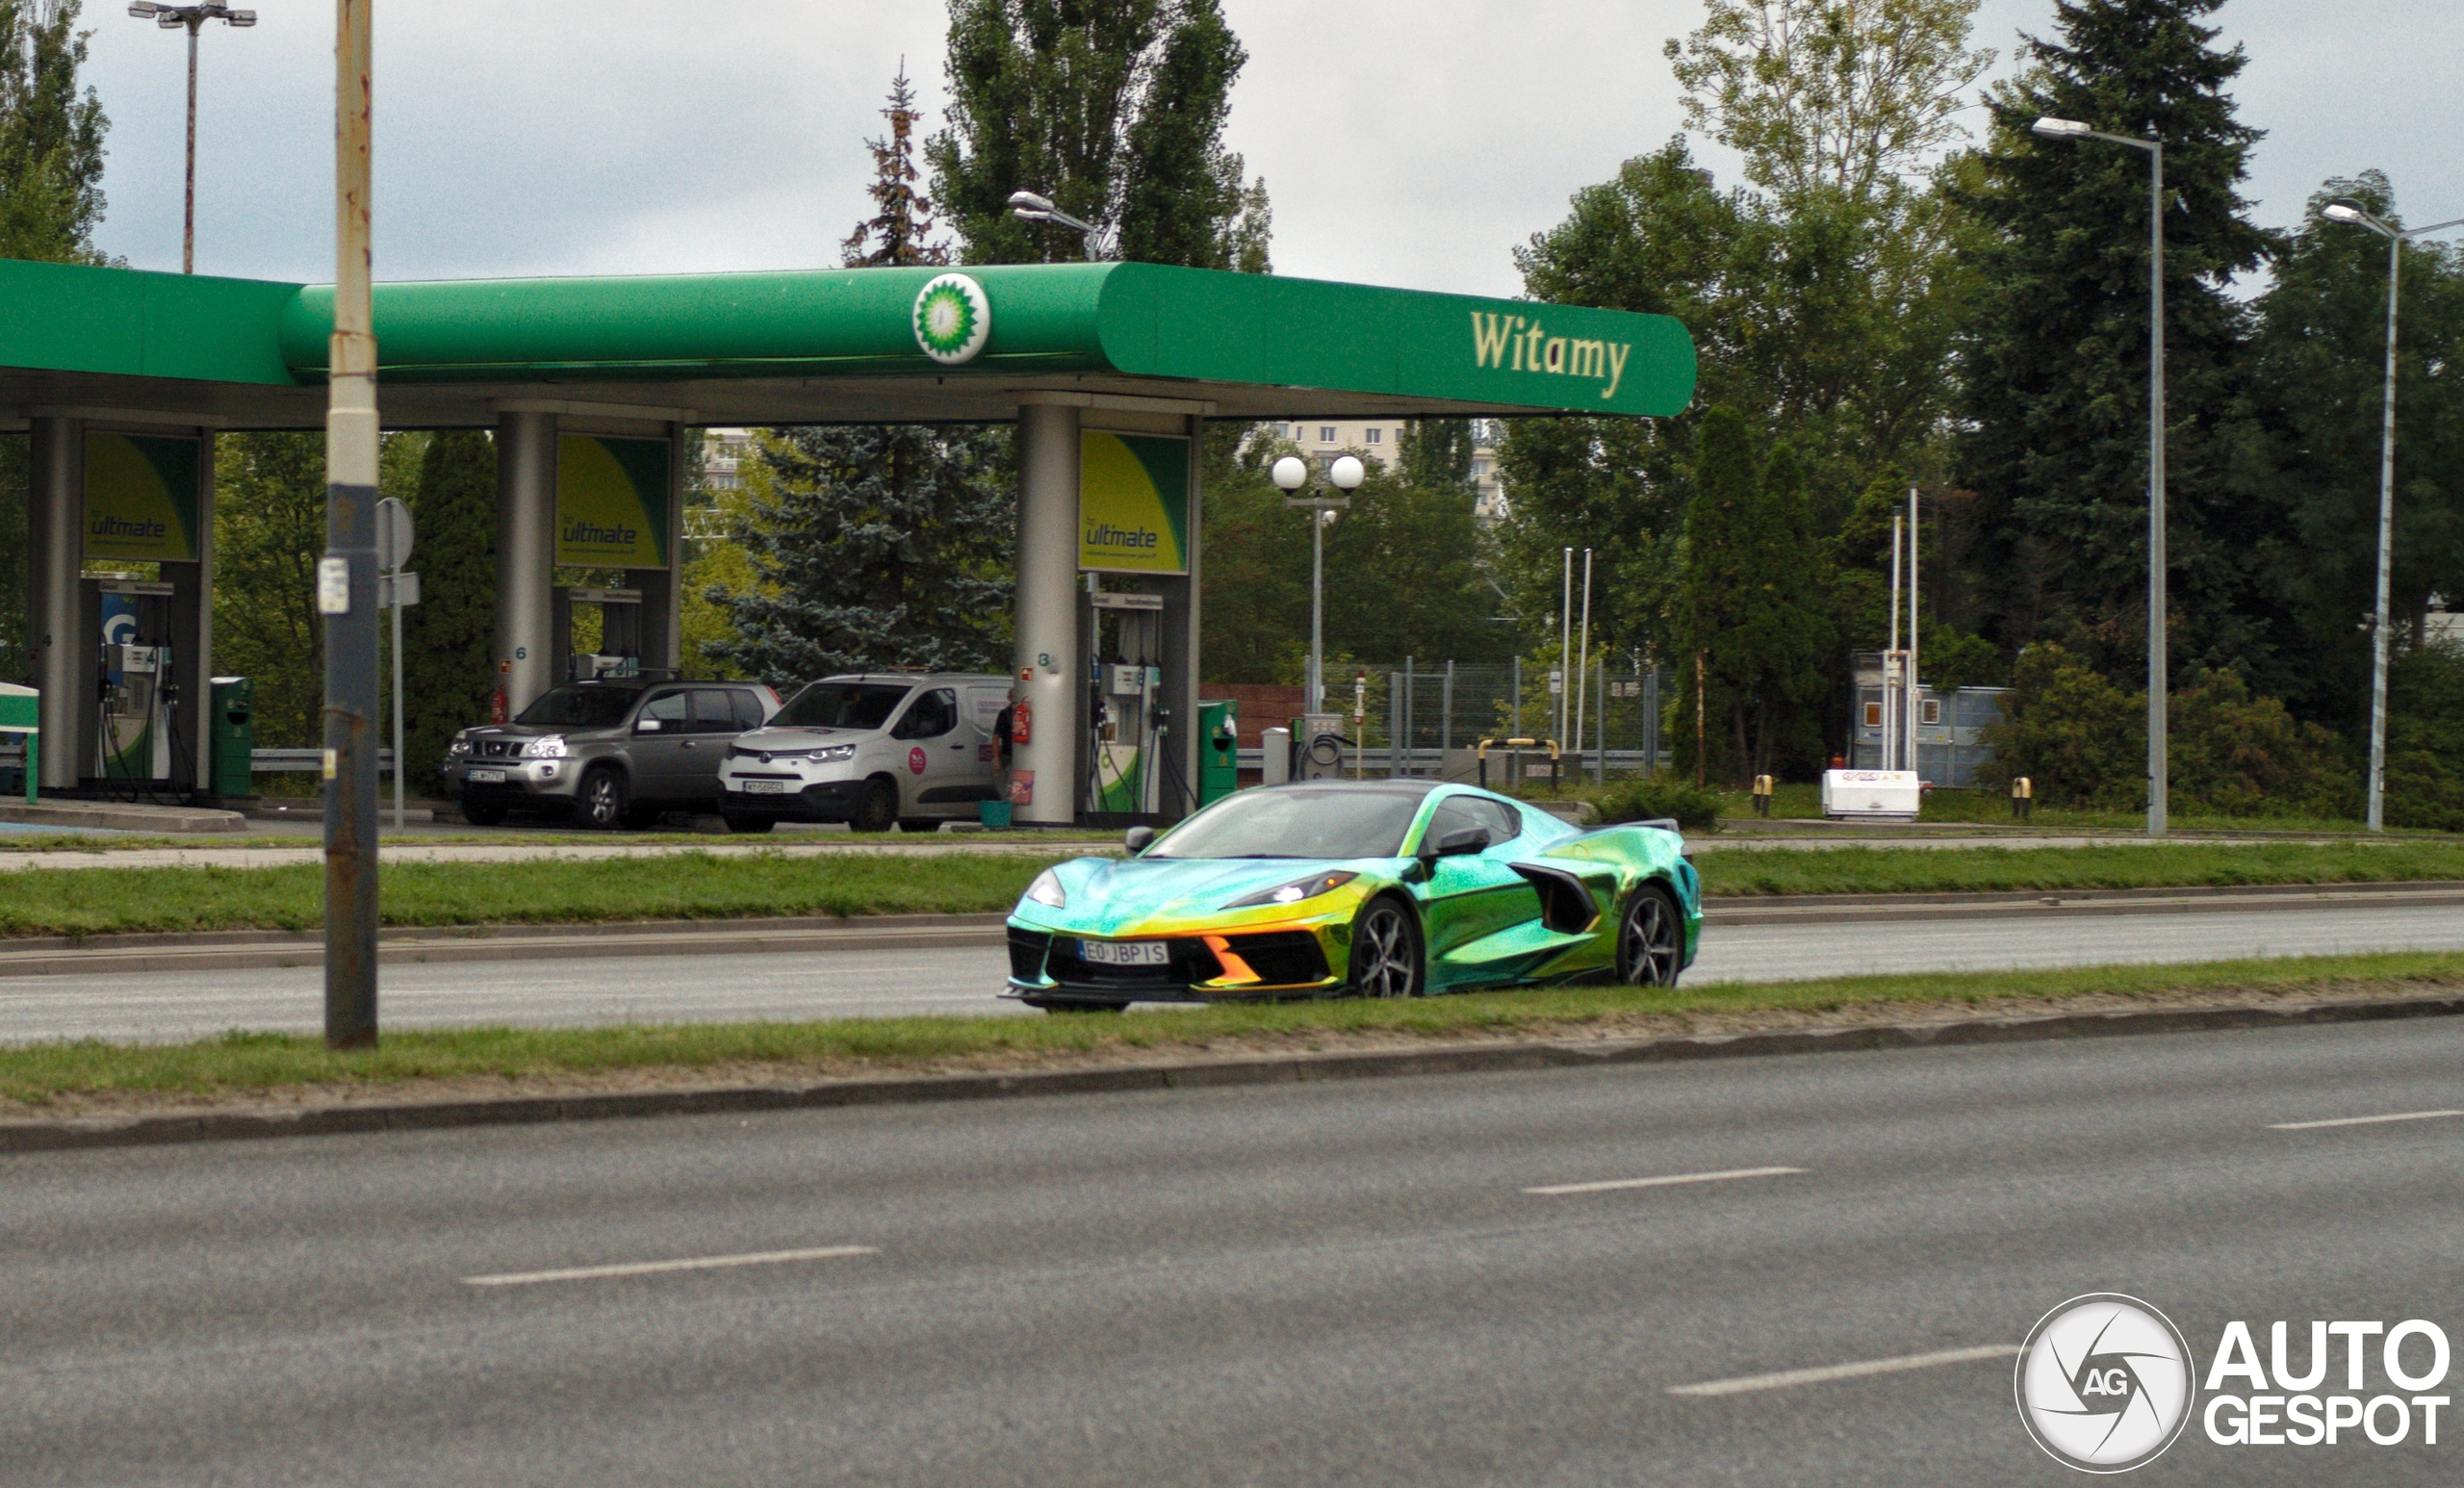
232 737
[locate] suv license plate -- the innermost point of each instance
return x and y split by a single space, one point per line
485 777
765 787
1125 953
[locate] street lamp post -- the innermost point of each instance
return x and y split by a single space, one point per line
2352 212
1028 207
190 18
2158 681
1292 473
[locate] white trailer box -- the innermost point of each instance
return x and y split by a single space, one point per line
1871 795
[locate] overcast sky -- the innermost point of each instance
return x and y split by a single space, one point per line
1404 142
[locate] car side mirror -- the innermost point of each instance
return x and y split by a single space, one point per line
1136 839
647 725
1459 841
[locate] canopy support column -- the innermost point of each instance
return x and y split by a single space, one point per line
526 556
60 652
1049 672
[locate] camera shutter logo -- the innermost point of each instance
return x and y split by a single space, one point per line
953 320
2105 1383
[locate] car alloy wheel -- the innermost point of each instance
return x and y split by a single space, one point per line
599 803
1648 951
1385 952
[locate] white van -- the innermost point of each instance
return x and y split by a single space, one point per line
869 750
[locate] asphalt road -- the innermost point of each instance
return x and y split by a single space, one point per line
964 979
1347 1282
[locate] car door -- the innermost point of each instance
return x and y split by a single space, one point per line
715 725
1472 896
658 752
939 766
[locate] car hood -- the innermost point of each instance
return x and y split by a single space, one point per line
800 738
1161 895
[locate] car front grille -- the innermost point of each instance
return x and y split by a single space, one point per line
497 749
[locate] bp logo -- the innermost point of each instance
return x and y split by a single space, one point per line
951 319
2104 1383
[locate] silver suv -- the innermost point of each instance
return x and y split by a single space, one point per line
870 750
613 752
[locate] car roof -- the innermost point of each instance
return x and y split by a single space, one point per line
912 679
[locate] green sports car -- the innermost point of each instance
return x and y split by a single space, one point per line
1366 888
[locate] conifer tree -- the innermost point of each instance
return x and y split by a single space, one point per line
450 636
2058 369
268 527
901 230
876 545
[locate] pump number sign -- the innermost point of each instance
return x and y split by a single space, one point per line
1133 503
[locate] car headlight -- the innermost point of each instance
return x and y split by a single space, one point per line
1046 890
834 753
1295 891
549 746
460 746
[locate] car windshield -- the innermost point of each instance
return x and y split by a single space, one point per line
1310 823
841 705
579 708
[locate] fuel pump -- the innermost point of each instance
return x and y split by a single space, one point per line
1131 721
619 652
136 695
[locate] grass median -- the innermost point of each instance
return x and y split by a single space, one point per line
246 1068
82 901
688 885
1914 870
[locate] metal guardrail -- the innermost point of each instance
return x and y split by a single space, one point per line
275 761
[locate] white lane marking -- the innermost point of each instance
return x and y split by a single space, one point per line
2401 1116
653 1268
1659 1183
1784 1378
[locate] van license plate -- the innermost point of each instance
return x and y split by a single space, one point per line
1125 953
485 777
765 787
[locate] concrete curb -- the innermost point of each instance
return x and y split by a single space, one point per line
1491 1057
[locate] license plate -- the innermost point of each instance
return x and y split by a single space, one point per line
485 777
765 787
1125 953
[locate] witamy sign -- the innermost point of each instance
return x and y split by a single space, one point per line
1510 343
2106 1383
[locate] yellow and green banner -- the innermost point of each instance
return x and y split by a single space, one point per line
141 496
611 501
1133 503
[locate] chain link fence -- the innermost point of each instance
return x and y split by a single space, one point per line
1428 719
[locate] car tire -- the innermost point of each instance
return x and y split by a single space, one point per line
600 802
876 806
1650 938
1387 958
915 824
753 826
490 814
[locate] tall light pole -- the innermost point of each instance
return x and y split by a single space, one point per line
1028 207
1290 473
192 17
347 574
2158 681
2352 212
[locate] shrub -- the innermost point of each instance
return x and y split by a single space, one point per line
2083 741
2426 740
1658 796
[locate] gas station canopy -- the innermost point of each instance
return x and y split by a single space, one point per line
833 346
